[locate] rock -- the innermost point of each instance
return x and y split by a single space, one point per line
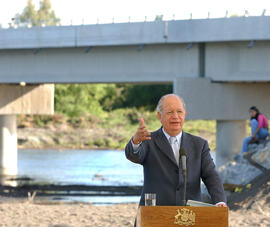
34 141
238 173
99 177
25 124
262 157
47 140
21 141
241 171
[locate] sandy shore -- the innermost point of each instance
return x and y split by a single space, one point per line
255 217
24 214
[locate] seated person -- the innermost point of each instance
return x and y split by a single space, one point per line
259 128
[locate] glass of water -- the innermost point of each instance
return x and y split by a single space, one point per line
150 199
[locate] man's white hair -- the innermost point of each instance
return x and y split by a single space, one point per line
160 102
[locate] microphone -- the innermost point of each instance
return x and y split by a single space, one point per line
183 156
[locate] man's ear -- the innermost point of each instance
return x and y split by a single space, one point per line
159 115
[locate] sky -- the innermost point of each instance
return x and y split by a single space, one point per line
77 12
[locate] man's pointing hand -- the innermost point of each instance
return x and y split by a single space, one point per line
142 133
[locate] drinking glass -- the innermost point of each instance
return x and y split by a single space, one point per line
150 199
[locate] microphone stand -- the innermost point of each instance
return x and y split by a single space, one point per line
185 187
183 156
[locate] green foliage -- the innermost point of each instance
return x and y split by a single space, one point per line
159 18
42 120
99 142
112 143
38 121
205 129
46 15
43 16
112 97
238 189
195 127
28 16
146 96
75 100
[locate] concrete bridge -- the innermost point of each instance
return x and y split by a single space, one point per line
219 66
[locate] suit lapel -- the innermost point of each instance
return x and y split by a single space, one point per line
184 144
165 146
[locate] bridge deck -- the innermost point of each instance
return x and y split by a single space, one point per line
182 31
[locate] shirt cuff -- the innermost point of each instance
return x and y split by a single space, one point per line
135 147
221 203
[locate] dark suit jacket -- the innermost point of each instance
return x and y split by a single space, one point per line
163 176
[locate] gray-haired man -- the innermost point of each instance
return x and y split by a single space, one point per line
162 168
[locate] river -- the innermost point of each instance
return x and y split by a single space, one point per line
84 167
80 167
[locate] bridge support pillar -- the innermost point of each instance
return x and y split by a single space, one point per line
229 138
19 99
8 144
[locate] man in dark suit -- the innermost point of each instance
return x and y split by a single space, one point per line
158 152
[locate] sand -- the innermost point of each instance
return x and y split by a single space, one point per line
252 206
24 214
255 217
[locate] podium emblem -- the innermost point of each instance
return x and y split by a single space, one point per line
184 217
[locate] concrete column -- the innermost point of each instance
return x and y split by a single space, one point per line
229 138
8 144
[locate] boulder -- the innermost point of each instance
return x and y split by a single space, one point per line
242 171
262 156
239 172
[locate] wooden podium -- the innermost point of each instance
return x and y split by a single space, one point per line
173 216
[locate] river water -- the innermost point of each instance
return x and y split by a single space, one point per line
81 167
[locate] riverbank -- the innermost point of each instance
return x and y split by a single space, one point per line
109 131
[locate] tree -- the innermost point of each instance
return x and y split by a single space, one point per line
75 100
28 16
146 95
32 17
46 15
159 18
